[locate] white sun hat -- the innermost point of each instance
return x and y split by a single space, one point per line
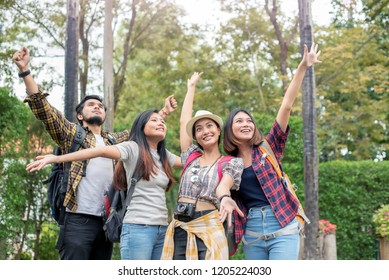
202 114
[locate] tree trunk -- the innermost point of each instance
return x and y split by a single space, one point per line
85 52
281 41
311 180
384 248
71 60
108 65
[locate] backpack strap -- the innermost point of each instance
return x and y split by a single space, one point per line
190 159
269 154
195 155
78 138
111 139
268 151
76 144
220 167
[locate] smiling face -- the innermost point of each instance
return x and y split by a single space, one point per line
206 132
155 128
243 127
93 112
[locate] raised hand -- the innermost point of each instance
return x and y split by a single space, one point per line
194 79
41 161
310 57
170 104
21 59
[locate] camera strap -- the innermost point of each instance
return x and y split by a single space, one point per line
205 175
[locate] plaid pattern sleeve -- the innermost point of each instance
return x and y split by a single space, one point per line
239 222
121 136
283 203
62 132
60 129
277 139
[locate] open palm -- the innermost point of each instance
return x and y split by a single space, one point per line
311 57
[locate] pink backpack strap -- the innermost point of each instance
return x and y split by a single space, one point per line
219 166
191 158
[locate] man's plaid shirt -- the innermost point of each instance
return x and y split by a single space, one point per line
62 132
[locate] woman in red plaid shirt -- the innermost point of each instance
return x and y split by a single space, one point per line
271 231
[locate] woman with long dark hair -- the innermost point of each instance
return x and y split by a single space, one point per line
271 231
144 156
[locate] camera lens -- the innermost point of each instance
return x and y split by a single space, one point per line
181 208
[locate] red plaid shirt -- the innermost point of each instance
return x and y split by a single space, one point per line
283 203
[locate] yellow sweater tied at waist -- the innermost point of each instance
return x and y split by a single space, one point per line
208 228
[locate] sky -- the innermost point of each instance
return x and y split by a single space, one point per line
203 12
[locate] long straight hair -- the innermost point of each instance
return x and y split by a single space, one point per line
230 143
145 166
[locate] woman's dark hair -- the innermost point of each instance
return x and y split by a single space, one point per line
230 143
194 133
145 166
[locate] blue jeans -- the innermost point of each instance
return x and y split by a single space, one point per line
262 220
142 242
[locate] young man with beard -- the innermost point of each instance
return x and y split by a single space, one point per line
82 236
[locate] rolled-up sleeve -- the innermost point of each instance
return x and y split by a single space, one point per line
185 155
234 168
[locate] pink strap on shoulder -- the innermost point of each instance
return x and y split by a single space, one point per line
219 166
191 158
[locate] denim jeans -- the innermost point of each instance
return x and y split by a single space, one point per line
82 238
142 242
262 220
181 238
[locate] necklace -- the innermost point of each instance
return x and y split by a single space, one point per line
195 178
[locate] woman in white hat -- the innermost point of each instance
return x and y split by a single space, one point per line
196 231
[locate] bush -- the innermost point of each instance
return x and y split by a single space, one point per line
381 221
348 194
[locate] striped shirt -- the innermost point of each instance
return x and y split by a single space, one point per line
62 132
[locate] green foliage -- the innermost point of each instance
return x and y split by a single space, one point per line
352 95
349 193
241 69
14 119
381 221
48 240
23 202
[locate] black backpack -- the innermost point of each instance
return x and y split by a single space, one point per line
58 179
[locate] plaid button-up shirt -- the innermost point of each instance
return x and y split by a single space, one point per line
283 203
62 132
